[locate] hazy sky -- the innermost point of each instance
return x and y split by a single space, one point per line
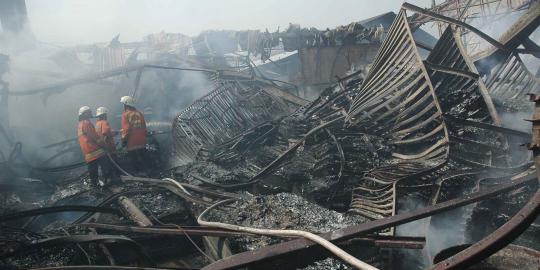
87 21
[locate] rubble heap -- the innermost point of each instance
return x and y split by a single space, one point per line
412 138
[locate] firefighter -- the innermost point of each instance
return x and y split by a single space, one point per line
134 135
104 131
93 147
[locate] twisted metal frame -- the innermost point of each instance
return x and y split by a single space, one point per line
397 100
222 114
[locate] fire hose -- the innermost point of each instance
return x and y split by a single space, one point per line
286 233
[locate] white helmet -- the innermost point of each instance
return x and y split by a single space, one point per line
101 111
128 100
84 109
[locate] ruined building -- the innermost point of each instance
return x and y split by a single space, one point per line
375 145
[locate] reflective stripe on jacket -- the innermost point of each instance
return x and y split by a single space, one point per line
133 129
103 129
87 140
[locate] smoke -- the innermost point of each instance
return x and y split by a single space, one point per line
165 93
77 22
39 120
311 92
445 230
494 25
15 42
516 120
43 119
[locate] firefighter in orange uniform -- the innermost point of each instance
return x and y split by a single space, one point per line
134 134
93 147
104 131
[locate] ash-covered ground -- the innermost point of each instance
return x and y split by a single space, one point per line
282 211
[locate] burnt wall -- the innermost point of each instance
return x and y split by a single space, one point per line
338 60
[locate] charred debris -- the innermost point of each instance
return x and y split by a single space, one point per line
373 145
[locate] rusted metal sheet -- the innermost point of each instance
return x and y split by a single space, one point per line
271 252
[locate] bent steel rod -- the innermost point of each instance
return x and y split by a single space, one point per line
272 251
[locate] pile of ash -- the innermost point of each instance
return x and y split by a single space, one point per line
279 211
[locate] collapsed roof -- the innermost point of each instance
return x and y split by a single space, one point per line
408 136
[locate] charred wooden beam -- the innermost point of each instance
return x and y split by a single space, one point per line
112 198
134 213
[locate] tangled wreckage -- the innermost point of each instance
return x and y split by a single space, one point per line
404 160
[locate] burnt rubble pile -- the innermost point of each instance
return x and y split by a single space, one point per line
280 211
413 162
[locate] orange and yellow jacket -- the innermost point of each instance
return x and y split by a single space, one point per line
104 130
133 129
88 139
